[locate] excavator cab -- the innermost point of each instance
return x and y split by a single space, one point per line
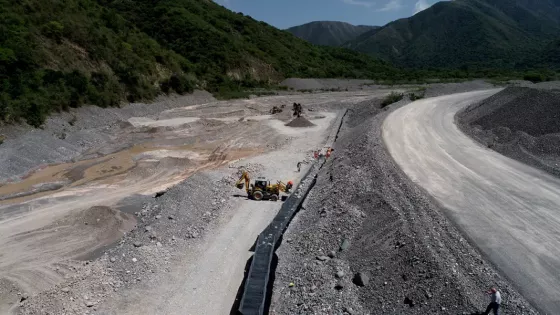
261 183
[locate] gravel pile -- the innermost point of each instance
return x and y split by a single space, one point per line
168 226
522 123
300 122
67 135
368 241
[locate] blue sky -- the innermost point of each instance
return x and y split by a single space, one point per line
286 13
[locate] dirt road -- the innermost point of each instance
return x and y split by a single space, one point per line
508 209
56 213
207 280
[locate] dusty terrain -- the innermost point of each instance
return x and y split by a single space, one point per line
508 209
521 123
65 202
369 241
82 233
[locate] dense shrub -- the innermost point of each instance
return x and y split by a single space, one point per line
417 94
60 54
391 98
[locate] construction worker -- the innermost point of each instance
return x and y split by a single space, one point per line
495 301
289 186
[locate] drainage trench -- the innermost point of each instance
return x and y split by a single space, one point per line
256 289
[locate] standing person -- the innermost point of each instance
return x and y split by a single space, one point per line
495 301
299 166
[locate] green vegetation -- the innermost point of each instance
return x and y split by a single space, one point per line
60 54
417 94
468 35
542 76
57 54
237 52
391 98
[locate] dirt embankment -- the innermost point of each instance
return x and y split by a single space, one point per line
521 123
368 241
69 135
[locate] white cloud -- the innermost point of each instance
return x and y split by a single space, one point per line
392 5
421 5
366 4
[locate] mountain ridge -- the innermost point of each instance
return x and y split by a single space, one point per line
329 33
60 54
465 32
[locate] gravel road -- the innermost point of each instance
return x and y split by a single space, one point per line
206 280
508 209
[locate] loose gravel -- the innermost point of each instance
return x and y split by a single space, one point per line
300 122
368 241
65 136
168 227
519 122
392 225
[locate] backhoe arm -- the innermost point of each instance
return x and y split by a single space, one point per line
244 177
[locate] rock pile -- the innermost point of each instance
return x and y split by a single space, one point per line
300 122
394 251
167 227
521 123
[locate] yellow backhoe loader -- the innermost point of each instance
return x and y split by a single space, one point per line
261 189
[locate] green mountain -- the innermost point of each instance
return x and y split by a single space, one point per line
56 54
477 33
329 33
550 56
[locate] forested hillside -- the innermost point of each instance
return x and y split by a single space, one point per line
218 41
56 54
466 33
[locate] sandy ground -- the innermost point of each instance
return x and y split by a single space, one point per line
62 212
207 280
508 209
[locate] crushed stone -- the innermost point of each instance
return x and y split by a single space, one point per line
416 261
300 122
519 122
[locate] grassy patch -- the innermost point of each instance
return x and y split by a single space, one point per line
417 94
391 98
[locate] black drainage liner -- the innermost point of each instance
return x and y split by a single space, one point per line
257 283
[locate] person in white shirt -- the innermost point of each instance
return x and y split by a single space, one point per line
495 301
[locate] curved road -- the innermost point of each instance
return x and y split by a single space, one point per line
511 211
